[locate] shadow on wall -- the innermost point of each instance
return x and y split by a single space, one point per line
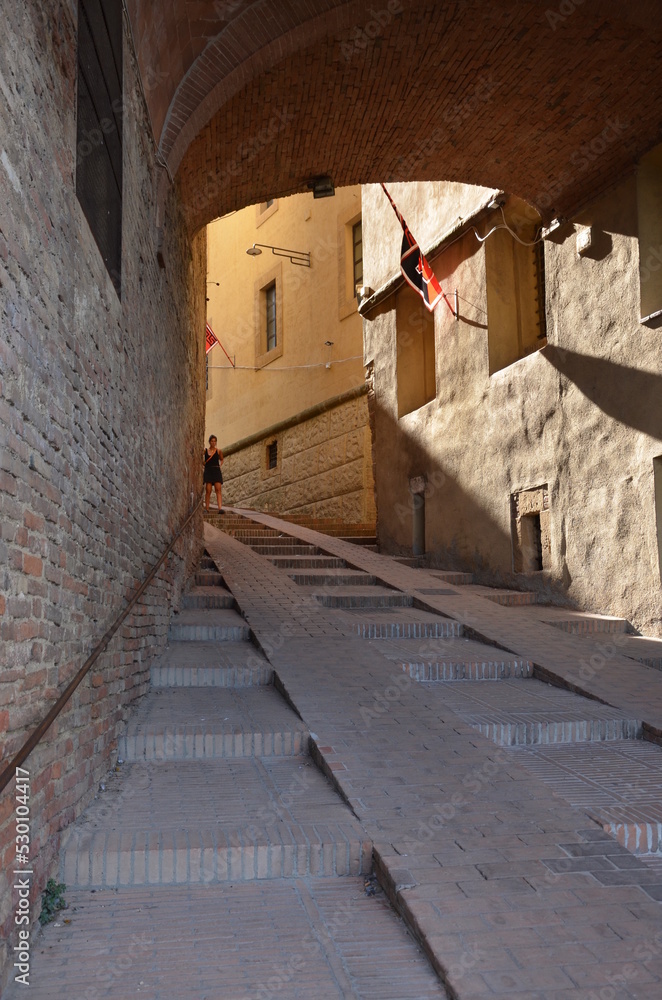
461 533
629 395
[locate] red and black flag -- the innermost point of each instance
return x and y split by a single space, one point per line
212 339
415 268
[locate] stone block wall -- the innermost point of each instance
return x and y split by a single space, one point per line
324 468
101 424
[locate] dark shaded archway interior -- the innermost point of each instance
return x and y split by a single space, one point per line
250 100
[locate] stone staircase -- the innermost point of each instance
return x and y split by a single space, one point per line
564 738
215 783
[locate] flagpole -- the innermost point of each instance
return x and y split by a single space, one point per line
412 242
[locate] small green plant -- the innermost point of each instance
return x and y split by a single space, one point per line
52 900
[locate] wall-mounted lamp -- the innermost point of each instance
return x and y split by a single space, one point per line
322 186
295 256
214 283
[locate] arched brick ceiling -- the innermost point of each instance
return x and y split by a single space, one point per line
552 101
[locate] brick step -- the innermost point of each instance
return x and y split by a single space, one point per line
547 731
341 578
515 714
224 522
584 624
308 562
279 541
423 628
638 837
452 576
208 578
194 822
434 591
383 599
342 531
198 625
367 540
199 855
235 941
645 649
206 563
506 598
618 783
208 597
253 531
471 670
286 550
211 664
308 520
455 659
206 677
195 723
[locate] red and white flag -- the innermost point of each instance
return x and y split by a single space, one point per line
212 339
415 268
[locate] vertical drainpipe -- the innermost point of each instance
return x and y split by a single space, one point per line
417 490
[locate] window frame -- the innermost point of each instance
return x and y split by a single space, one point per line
347 300
511 336
264 354
358 280
271 317
100 87
264 210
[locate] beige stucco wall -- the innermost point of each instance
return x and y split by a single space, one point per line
315 305
324 468
581 416
325 462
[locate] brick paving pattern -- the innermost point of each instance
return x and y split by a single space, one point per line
512 823
287 939
475 850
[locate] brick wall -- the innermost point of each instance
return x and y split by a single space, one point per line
476 93
101 424
324 468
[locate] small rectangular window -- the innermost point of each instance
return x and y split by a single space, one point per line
357 259
272 455
515 299
270 298
99 127
415 358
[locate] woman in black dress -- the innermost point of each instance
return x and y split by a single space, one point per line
213 475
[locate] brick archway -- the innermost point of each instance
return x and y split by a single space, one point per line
250 99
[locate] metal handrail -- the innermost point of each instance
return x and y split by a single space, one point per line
45 724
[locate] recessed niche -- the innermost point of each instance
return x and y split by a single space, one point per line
530 524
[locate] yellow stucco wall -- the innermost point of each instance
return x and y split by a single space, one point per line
318 356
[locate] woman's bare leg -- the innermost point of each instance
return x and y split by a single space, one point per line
207 495
218 494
